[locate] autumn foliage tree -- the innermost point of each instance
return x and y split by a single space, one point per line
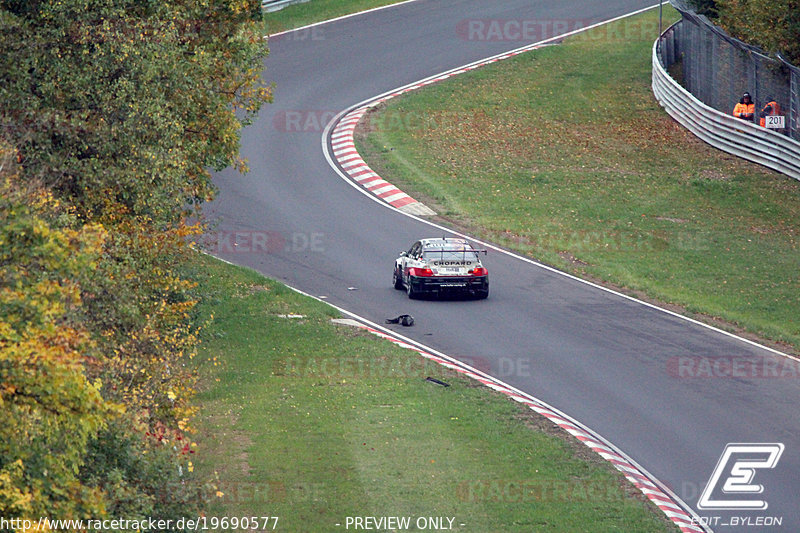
129 103
49 408
773 25
111 119
705 7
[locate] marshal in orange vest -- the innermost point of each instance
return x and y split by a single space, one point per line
745 109
772 108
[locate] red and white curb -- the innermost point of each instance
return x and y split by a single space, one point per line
350 161
344 151
640 478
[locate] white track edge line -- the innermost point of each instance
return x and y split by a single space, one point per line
336 19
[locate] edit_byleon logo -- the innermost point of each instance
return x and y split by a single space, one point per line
731 485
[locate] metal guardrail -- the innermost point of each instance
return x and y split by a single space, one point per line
717 68
275 5
720 130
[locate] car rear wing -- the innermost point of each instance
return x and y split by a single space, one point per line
442 251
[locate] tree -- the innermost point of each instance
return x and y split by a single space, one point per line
129 101
773 25
705 7
48 408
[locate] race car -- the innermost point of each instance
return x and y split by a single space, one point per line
441 266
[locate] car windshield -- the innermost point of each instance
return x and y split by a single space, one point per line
450 255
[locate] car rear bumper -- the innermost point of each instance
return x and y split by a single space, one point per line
449 284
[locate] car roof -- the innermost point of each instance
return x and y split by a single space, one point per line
445 242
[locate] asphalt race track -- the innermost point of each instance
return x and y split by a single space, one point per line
610 362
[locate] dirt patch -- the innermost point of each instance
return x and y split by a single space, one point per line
259 288
787 184
222 439
367 125
572 259
516 240
713 175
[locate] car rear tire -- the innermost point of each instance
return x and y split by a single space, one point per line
397 279
412 294
482 295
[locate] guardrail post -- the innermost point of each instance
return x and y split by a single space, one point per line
794 103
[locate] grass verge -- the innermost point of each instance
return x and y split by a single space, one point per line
564 155
299 15
314 422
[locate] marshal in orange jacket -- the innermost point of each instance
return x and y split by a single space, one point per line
772 108
745 109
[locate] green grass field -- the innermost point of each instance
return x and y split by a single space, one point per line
299 15
564 155
313 422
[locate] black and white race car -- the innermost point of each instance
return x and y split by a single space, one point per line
441 266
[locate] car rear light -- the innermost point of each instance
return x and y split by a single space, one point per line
479 271
420 272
